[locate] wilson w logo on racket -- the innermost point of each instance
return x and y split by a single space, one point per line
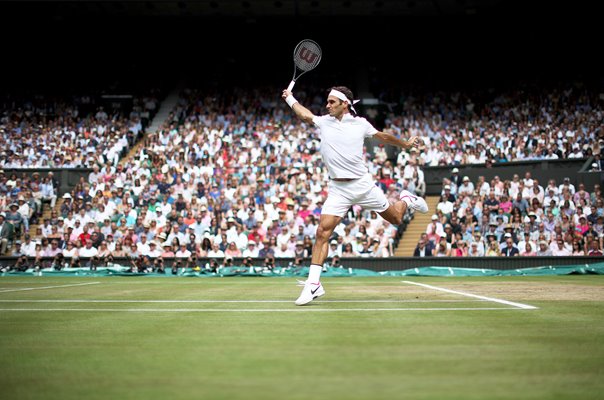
307 56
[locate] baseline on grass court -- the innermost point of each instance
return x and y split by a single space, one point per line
468 302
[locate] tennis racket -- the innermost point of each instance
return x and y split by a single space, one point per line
307 55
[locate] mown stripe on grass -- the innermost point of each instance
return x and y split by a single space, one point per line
245 310
230 301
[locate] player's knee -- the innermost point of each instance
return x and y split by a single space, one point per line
322 234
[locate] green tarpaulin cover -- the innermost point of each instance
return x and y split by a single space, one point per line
118 270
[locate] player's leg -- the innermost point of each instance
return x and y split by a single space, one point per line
327 224
395 213
312 287
376 200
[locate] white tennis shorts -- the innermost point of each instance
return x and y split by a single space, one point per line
362 192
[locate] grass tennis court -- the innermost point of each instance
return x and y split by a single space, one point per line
242 338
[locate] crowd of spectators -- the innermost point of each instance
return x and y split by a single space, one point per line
220 180
67 133
519 216
234 174
57 132
527 122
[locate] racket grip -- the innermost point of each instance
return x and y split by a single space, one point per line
291 86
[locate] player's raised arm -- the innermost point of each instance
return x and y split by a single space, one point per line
301 112
388 138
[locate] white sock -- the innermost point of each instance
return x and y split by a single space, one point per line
314 274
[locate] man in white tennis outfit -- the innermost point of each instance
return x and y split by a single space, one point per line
342 136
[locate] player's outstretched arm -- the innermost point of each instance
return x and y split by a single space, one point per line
413 141
301 112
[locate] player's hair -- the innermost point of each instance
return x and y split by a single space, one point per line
347 92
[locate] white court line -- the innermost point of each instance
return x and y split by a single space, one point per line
277 280
233 301
218 310
49 287
509 303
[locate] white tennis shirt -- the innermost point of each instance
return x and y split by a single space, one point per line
342 144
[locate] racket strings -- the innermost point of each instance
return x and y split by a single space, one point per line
307 55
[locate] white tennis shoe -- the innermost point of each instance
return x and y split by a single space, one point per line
310 292
415 202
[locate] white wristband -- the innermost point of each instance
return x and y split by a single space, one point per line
291 100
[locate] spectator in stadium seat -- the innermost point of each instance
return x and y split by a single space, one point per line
581 194
283 251
103 250
516 221
445 205
308 245
422 249
505 205
493 249
53 250
435 230
28 245
476 249
442 249
566 184
528 251
419 182
182 252
349 251
331 251
578 248
459 249
509 249
533 221
582 227
456 178
498 186
466 188
267 249
449 235
232 250
386 179
71 251
483 187
594 248
526 241
168 253
447 193
6 234
492 203
378 248
14 217
559 249
119 250
251 250
598 227
456 226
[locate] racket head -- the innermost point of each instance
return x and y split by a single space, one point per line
307 56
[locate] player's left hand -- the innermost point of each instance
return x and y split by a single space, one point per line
414 141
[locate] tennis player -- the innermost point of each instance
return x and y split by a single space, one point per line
342 134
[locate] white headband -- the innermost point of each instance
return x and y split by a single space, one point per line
342 96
